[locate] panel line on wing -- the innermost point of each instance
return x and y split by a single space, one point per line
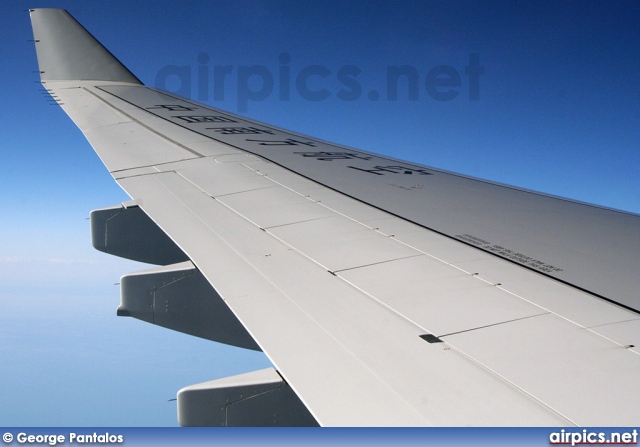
376 263
228 194
150 129
294 223
264 228
494 324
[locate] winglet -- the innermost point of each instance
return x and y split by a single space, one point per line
67 51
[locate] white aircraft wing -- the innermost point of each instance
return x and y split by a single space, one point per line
384 292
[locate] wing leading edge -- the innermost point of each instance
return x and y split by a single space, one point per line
384 292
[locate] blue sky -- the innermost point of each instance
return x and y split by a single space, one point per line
558 111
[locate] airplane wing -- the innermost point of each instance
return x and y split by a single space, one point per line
384 292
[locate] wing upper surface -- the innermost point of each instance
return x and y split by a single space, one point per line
564 239
337 261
